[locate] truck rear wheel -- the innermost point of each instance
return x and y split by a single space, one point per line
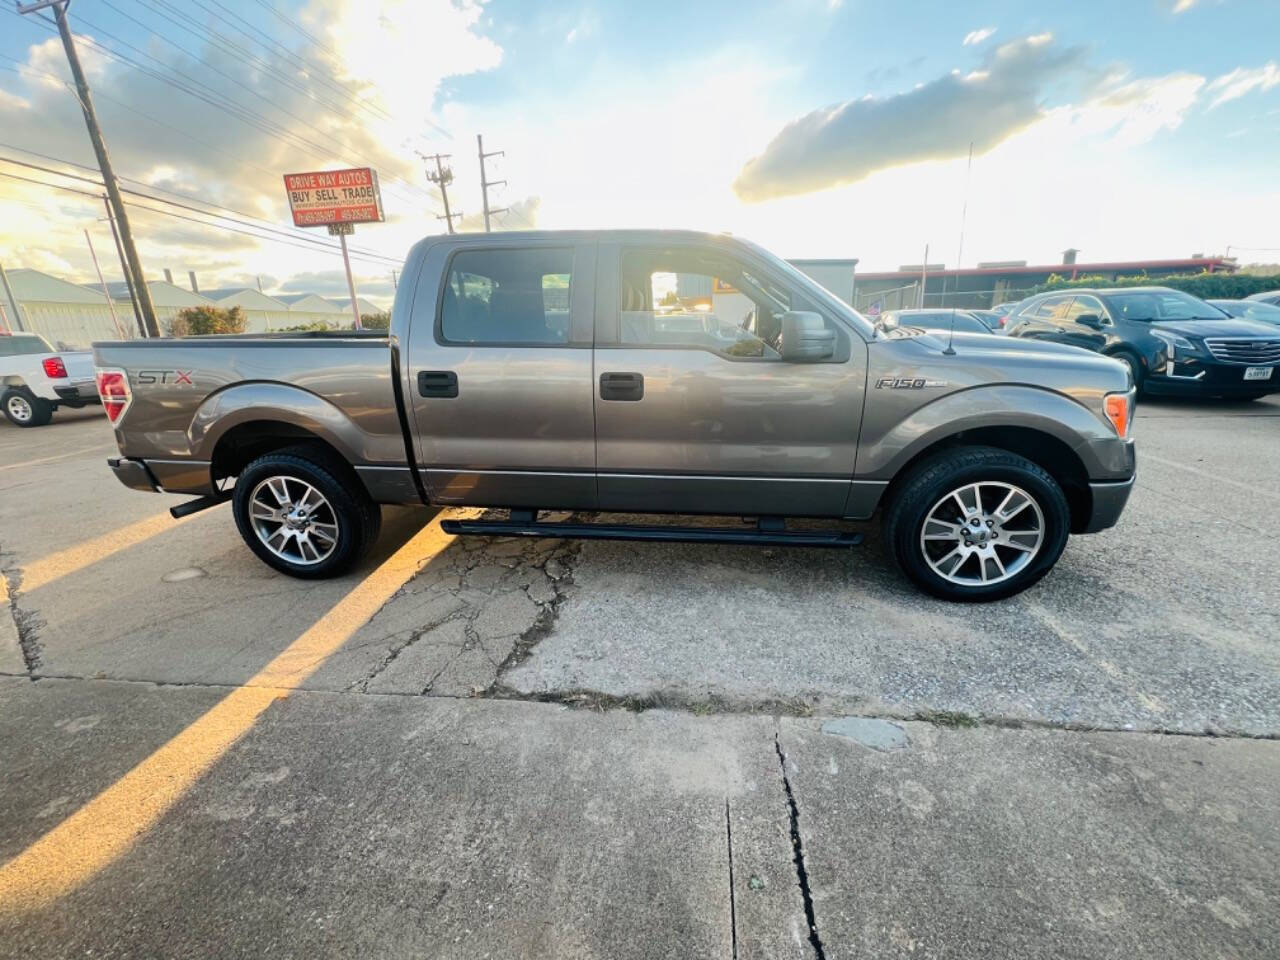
301 513
976 523
24 409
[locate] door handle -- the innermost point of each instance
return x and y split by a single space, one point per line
621 386
437 383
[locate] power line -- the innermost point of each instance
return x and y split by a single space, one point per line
381 261
201 91
258 221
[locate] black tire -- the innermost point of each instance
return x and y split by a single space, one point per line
1136 373
915 495
38 412
348 507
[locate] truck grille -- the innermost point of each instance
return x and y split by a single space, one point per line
1244 349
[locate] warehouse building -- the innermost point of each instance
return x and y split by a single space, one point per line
66 314
167 298
262 313
991 284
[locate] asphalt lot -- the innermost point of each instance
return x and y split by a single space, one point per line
546 749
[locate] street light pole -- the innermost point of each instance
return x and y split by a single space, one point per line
104 161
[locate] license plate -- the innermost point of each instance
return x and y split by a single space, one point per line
1258 373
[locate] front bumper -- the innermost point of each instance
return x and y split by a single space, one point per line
1109 498
1195 378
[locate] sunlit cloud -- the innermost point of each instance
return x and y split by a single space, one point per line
1241 81
975 37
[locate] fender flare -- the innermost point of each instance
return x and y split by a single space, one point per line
1001 405
272 402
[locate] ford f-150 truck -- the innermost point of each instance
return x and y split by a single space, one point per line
633 372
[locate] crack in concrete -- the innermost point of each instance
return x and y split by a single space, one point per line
713 706
26 622
797 846
733 901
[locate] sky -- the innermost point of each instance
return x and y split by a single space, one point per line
819 128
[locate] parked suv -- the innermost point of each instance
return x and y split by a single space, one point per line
1172 343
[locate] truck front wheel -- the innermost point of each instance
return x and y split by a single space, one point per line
976 523
299 516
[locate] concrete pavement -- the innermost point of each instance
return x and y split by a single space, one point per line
398 803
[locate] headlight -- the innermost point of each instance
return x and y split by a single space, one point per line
1174 342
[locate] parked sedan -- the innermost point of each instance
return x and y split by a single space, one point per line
962 321
1249 310
1267 296
1172 343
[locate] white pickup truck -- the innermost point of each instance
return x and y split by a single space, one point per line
35 379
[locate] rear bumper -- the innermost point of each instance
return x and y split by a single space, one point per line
171 476
81 391
132 473
1109 499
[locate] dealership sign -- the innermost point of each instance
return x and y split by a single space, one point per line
334 196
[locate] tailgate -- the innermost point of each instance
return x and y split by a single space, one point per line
79 365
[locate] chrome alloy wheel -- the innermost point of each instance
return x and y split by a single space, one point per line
19 408
293 520
982 533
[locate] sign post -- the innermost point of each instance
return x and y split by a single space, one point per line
337 199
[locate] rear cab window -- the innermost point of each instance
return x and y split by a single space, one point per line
23 344
507 296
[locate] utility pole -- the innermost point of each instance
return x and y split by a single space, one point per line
395 279
104 161
924 275
486 184
442 177
111 304
13 301
124 266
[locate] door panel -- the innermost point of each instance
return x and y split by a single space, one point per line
503 424
707 433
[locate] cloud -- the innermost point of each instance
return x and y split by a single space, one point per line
847 142
1182 6
519 215
368 49
975 37
1240 81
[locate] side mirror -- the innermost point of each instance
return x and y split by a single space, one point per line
1090 320
805 337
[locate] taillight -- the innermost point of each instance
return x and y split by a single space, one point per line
54 367
113 389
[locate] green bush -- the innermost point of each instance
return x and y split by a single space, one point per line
375 321
1205 285
202 321
303 327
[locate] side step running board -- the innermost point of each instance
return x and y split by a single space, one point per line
523 524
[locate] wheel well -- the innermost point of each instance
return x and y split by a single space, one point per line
1042 449
245 442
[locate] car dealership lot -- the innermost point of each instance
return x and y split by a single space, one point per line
395 800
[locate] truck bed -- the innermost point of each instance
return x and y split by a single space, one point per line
195 398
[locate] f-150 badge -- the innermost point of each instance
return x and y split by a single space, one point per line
907 383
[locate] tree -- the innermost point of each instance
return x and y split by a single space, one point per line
375 321
202 321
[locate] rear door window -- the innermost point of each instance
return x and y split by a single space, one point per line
21 346
508 296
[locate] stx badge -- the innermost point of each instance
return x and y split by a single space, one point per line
166 376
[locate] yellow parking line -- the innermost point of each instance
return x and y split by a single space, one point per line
108 825
47 569
62 456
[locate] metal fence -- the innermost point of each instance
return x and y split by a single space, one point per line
908 297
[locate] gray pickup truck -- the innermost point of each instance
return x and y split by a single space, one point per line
633 372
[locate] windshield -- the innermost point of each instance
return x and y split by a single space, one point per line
23 345
1150 305
1253 310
